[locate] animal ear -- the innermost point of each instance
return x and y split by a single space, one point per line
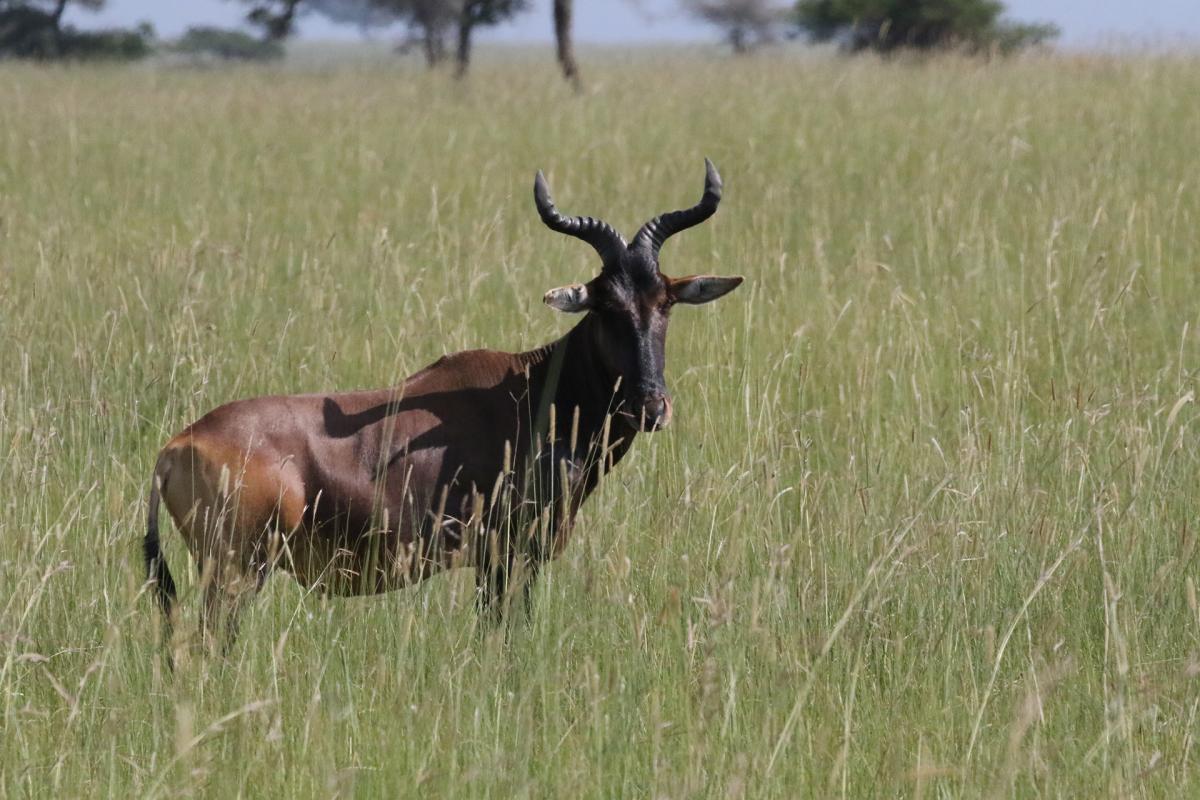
697 289
571 298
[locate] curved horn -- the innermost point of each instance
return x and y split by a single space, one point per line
600 235
658 230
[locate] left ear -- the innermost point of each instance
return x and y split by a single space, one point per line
572 299
697 289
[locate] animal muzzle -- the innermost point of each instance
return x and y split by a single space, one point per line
655 412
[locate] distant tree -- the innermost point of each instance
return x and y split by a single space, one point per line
887 25
204 42
478 13
54 9
276 18
429 22
35 29
429 25
566 47
365 15
747 23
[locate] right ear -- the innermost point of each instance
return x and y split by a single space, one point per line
572 299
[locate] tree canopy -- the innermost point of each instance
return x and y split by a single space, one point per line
429 22
276 18
207 42
887 25
35 29
746 23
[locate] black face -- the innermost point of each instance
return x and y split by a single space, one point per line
631 311
629 302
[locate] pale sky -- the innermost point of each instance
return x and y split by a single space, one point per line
1084 22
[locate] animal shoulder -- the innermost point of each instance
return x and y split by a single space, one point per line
479 369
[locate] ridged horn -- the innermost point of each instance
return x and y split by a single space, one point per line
658 230
600 235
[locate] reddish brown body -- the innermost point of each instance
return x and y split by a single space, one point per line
482 459
362 492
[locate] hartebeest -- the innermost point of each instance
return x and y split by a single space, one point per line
482 458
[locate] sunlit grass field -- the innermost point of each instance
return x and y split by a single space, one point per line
924 525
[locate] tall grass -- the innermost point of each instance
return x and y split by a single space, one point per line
925 524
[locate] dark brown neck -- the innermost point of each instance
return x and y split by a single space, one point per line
570 375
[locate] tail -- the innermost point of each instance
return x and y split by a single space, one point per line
156 565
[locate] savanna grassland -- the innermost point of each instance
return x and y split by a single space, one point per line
924 525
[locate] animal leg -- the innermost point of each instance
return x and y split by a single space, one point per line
228 591
495 581
532 568
491 589
230 519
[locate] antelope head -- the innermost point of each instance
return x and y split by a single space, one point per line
629 302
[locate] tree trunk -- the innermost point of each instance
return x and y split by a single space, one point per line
463 56
276 27
566 50
56 18
58 12
435 47
737 38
